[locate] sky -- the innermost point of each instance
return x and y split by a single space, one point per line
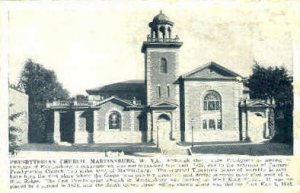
97 43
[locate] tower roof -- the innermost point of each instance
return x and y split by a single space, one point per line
161 18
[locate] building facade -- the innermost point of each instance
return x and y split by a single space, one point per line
209 103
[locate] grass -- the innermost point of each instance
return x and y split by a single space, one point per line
148 149
244 149
127 148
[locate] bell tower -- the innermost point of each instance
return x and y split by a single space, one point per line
161 72
161 61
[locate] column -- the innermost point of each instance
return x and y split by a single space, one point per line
56 129
159 33
247 123
152 34
173 125
96 126
149 127
131 121
267 129
155 129
244 135
240 122
236 106
81 135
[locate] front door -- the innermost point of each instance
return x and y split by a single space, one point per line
164 131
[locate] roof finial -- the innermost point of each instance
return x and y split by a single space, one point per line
160 12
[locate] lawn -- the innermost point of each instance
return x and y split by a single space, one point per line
149 150
41 149
251 149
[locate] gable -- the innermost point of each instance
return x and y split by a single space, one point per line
211 71
257 103
111 105
253 103
117 101
163 105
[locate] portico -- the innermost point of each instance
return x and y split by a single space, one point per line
72 122
163 123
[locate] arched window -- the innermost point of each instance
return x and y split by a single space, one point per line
115 120
212 116
162 29
212 101
163 66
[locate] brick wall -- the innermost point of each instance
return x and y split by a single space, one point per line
130 125
230 92
154 77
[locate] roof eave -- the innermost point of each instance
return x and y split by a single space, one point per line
160 45
212 63
208 79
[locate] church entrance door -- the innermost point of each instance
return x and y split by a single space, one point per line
164 131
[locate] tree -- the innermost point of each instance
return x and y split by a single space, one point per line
41 85
274 83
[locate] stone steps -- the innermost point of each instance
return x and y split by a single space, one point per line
175 151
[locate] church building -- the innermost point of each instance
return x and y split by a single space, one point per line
208 104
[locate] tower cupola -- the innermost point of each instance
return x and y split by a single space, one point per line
161 29
161 32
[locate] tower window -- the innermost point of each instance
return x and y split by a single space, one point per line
159 91
168 90
163 66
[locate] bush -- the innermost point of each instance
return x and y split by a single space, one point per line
13 134
14 140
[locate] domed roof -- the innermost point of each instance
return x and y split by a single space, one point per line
161 19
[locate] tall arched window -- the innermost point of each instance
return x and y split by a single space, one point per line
212 101
163 66
115 120
211 116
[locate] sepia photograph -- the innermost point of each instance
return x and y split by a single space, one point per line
150 94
